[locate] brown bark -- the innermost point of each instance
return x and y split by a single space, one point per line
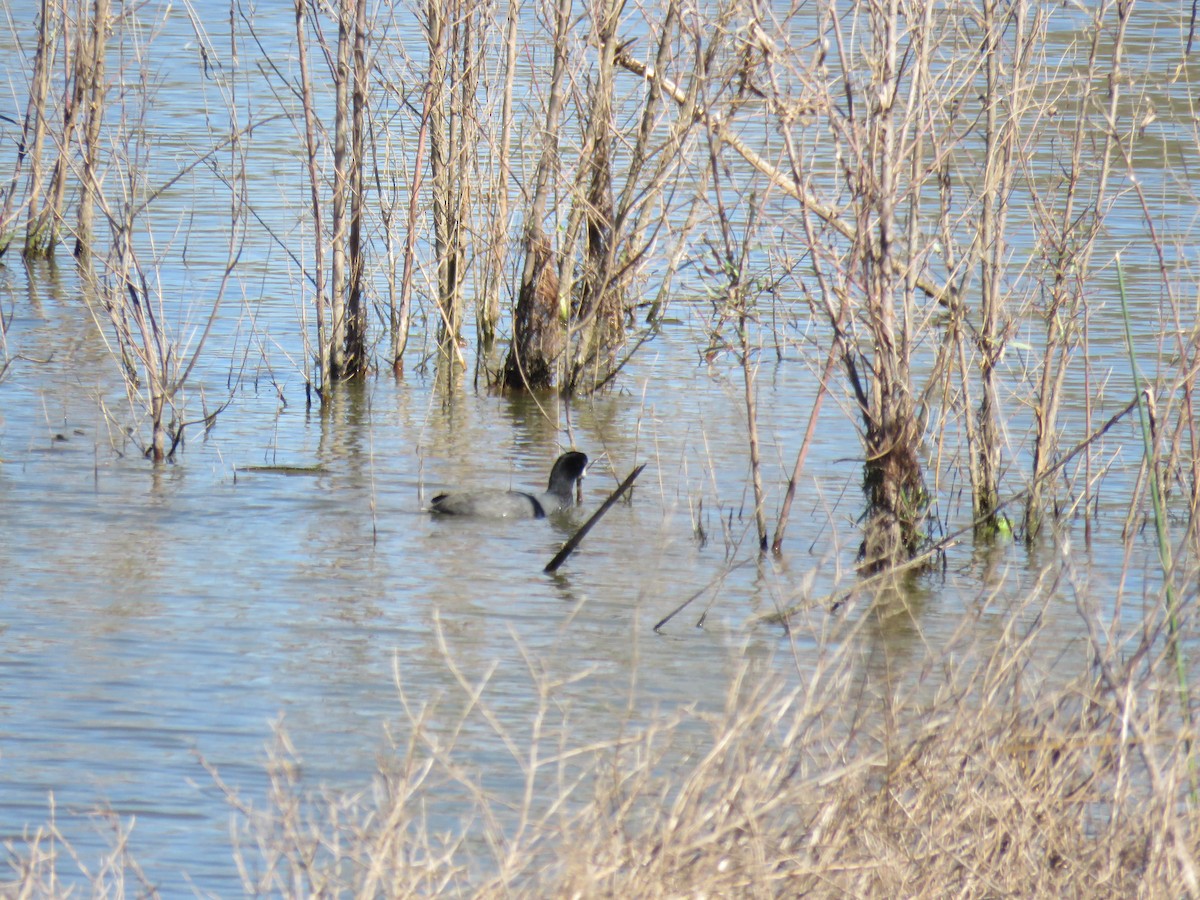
539 333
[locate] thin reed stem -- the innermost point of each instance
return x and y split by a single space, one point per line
1162 537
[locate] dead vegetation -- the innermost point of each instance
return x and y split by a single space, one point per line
911 188
903 178
1000 766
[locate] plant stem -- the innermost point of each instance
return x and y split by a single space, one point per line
1160 532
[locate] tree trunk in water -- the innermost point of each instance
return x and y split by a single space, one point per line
539 323
93 119
892 474
539 333
488 312
601 306
324 361
356 313
33 138
339 223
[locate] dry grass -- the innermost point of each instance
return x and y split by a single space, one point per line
984 771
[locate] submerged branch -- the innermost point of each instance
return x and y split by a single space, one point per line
577 538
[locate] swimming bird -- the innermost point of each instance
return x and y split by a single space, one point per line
497 504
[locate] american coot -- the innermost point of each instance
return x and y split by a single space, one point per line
495 504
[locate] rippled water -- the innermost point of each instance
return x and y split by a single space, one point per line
151 618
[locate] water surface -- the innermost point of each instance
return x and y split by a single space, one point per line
153 617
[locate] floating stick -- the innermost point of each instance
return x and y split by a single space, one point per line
577 538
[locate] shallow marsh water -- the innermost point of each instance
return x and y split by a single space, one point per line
153 616
150 617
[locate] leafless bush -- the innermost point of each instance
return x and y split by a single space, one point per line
924 190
